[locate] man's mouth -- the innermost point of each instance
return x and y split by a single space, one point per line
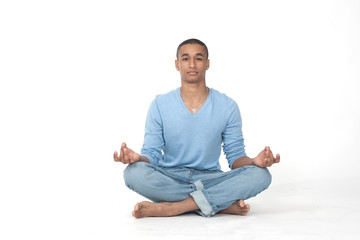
192 73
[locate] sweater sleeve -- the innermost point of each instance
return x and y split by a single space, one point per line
233 140
153 139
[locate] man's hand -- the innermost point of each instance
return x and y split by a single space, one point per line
127 156
266 158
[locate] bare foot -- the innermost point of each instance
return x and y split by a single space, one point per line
239 208
164 209
149 209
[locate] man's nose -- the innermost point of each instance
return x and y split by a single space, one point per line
192 63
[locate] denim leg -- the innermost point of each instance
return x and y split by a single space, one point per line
222 189
150 182
212 191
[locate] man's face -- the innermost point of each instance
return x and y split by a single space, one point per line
192 63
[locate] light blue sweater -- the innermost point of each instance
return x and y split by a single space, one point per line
174 137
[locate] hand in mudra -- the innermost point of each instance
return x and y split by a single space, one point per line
266 158
127 156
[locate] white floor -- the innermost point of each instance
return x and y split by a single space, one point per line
96 205
325 209
308 209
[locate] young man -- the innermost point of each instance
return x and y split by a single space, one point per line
178 168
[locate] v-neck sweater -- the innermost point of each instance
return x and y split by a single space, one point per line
175 137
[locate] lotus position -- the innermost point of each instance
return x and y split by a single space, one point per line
178 167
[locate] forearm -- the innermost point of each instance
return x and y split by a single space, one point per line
242 161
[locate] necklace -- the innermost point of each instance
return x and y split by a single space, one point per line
194 108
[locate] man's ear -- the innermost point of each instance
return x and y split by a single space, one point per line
207 64
177 64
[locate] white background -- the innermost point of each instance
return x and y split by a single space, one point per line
77 78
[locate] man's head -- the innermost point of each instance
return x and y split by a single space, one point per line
192 41
192 61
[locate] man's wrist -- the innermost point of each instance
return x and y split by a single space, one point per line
243 161
252 161
144 159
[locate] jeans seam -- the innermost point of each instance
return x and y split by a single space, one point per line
168 174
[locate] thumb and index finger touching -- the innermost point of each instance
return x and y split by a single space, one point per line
119 157
268 153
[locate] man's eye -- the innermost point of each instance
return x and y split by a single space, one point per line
185 59
199 59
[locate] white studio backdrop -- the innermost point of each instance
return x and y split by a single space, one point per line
77 78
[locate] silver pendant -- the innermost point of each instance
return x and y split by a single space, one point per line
194 110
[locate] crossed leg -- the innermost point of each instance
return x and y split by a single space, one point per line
168 209
158 186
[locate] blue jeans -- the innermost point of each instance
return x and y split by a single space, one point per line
212 191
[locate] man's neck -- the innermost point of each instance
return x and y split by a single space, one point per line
194 92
